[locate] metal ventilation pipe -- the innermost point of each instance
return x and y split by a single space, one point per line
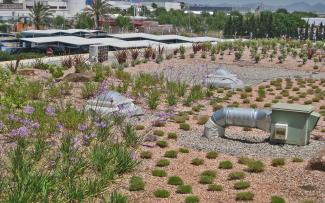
252 118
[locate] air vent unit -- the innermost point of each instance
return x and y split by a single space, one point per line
280 131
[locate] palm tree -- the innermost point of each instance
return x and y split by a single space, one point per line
39 14
97 9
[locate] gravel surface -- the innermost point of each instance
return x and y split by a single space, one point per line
195 73
248 145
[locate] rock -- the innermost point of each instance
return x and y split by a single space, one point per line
318 161
27 71
150 138
79 77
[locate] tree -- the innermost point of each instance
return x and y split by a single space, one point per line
39 14
154 5
282 10
97 9
58 22
123 22
84 21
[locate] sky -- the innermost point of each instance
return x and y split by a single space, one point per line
239 2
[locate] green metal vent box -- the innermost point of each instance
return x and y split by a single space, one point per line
292 123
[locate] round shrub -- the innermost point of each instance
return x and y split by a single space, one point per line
136 184
139 127
161 193
170 154
175 180
197 161
183 150
244 160
159 173
184 189
244 196
172 136
236 175
202 119
162 144
162 163
278 162
255 166
206 179
225 165
145 155
240 185
212 155
211 173
192 199
184 126
277 199
159 133
215 187
297 159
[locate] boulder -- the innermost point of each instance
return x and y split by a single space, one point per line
318 161
79 77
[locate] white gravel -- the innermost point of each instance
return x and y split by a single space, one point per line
249 145
248 74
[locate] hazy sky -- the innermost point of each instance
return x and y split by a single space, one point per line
238 2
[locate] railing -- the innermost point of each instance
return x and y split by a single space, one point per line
11 6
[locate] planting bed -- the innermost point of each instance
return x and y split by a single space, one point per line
60 153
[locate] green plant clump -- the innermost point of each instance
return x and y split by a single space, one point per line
277 199
172 136
197 161
236 175
170 154
255 166
240 185
162 193
244 196
206 179
211 173
163 162
136 184
145 155
225 165
215 187
192 199
297 159
184 126
184 189
183 150
278 162
212 155
159 173
162 144
175 180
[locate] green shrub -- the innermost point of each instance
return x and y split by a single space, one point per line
277 199
278 162
297 159
136 183
240 185
162 144
184 189
183 150
255 166
244 196
215 187
88 90
192 199
184 126
170 154
159 173
162 193
163 162
206 179
244 160
211 173
225 165
172 136
145 155
159 133
212 155
236 175
117 198
197 161
139 127
175 180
